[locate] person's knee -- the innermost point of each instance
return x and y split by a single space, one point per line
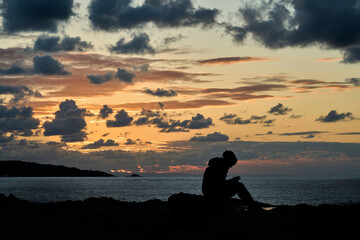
240 185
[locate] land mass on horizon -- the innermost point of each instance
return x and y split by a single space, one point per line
17 168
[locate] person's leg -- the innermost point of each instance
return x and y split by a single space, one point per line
243 193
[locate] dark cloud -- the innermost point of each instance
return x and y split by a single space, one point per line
53 44
17 120
234 119
349 133
169 40
161 120
301 23
122 75
355 81
44 65
139 44
199 122
264 134
69 123
122 119
295 116
211 137
5 139
100 79
130 142
231 60
161 92
35 15
334 116
351 55
309 134
19 93
100 143
76 137
279 110
47 65
15 69
105 112
111 15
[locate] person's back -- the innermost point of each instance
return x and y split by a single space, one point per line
216 187
214 177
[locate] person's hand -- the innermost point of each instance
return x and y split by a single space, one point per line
236 179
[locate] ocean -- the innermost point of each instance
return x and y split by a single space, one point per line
278 190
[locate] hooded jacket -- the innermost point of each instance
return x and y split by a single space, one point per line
214 177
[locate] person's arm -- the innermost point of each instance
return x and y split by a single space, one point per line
236 179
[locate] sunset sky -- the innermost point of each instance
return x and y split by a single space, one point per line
162 86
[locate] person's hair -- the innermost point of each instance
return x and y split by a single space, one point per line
230 158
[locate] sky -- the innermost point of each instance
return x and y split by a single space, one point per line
162 86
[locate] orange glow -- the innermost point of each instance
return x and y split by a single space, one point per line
190 169
328 59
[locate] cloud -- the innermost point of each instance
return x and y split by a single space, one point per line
48 43
100 143
192 104
19 93
44 65
231 60
254 157
211 137
105 111
351 55
279 110
47 65
349 133
300 23
307 85
295 116
15 69
169 40
69 123
100 79
122 75
199 122
245 92
334 116
139 44
130 142
35 15
122 119
17 120
161 92
235 120
166 124
5 139
309 133
354 81
111 15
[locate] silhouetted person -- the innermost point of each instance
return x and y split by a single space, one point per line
216 187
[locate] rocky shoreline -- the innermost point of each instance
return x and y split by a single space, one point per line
183 216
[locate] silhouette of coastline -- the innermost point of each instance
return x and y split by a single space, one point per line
183 216
12 168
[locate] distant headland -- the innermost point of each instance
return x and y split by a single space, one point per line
16 168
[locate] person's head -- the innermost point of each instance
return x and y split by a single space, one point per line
229 158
